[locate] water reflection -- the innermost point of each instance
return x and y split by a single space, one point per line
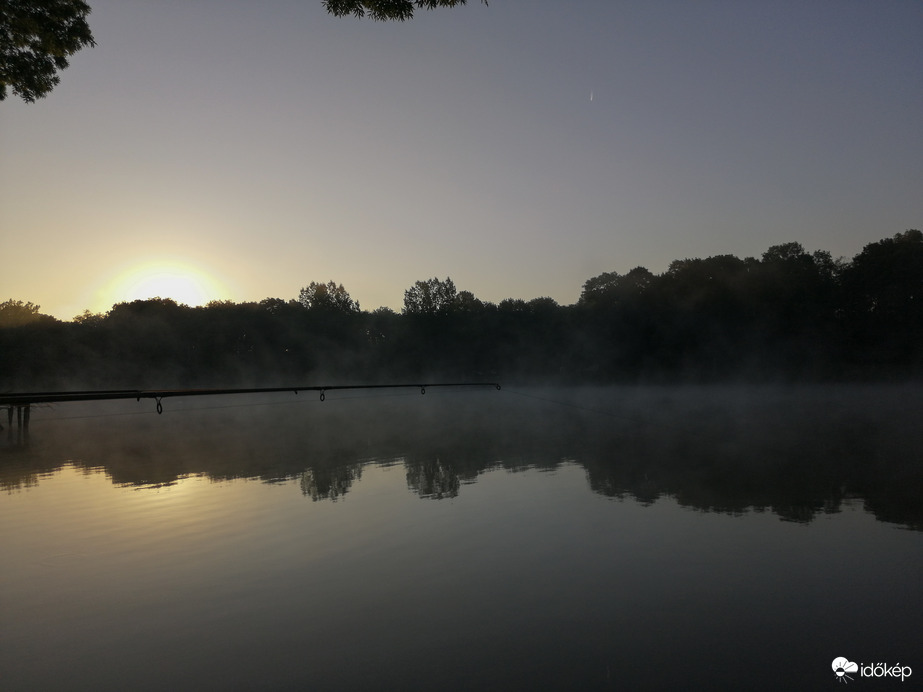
796 452
462 543
329 483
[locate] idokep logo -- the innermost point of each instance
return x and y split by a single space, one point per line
843 666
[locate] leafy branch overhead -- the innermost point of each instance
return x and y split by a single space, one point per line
385 10
36 38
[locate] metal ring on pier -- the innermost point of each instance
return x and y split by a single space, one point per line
322 395
159 406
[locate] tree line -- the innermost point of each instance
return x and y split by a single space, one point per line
789 315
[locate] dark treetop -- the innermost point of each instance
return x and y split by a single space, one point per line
36 38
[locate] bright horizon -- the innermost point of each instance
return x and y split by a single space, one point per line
189 284
227 151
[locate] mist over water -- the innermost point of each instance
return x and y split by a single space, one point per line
795 450
584 538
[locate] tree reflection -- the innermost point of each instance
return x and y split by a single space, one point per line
798 453
326 483
432 478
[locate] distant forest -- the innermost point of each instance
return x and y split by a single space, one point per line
788 316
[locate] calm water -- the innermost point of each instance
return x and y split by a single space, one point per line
529 539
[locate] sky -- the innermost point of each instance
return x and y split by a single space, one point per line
238 150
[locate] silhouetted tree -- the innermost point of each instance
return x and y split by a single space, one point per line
786 252
381 326
430 297
886 278
36 38
30 345
610 288
89 318
384 10
703 316
543 306
617 319
597 288
151 340
883 296
794 301
466 302
328 296
15 313
273 306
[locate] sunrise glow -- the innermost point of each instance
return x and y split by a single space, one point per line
180 281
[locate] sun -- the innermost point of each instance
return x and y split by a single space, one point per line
167 283
178 280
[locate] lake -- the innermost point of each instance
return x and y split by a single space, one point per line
522 539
